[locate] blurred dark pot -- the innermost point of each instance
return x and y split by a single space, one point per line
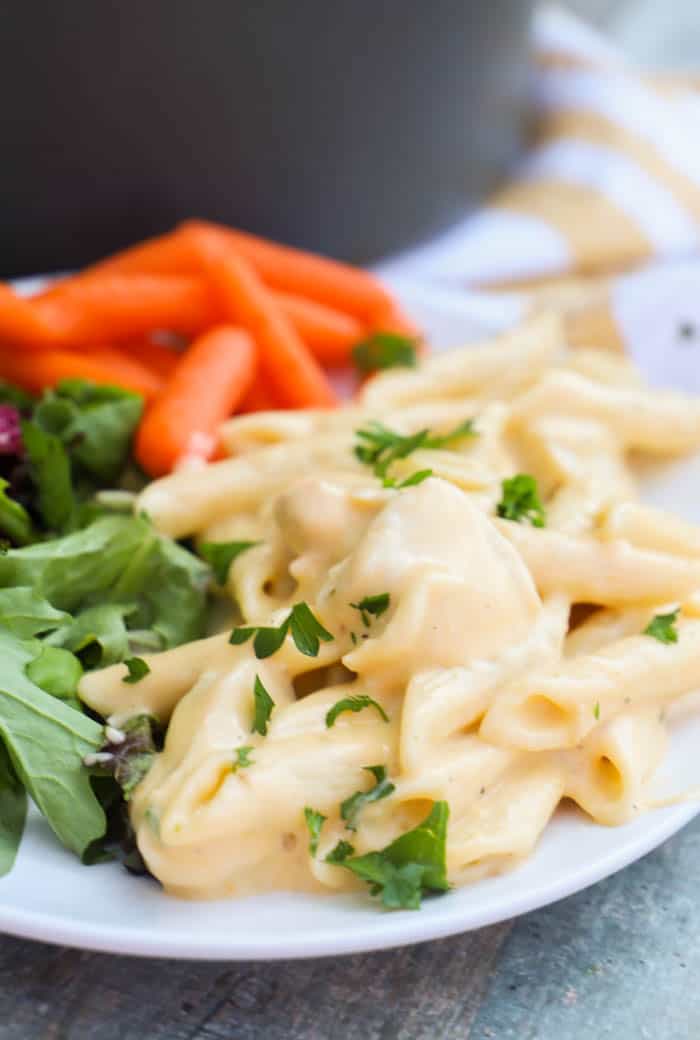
351 127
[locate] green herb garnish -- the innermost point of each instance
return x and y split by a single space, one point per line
355 704
314 822
306 630
521 501
372 605
242 759
663 627
384 350
341 852
137 669
409 867
350 808
262 707
379 447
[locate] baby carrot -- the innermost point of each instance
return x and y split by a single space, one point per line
292 374
38 369
330 335
258 399
20 323
318 278
156 356
165 254
209 380
114 307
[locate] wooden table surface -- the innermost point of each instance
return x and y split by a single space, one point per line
620 960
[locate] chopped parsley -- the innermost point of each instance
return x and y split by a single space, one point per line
374 605
314 821
350 808
378 446
415 478
137 669
242 759
353 704
220 556
596 710
663 627
409 867
384 350
342 851
306 630
262 707
521 501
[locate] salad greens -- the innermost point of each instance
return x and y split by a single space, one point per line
80 587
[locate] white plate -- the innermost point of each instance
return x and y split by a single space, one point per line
50 896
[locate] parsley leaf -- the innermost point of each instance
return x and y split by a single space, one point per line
137 668
263 705
314 821
663 627
379 447
375 605
415 478
353 704
341 852
412 865
242 759
307 632
220 556
384 350
521 501
350 808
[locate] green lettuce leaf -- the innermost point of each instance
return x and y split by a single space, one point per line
117 560
15 522
57 672
97 635
25 613
94 423
46 741
50 471
13 812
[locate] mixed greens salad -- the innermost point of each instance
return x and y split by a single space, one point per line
84 583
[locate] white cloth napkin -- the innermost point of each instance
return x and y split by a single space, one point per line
600 218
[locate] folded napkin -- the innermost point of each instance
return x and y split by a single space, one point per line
601 218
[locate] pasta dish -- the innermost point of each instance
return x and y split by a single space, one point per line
449 611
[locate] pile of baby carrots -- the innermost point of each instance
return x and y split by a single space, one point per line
205 321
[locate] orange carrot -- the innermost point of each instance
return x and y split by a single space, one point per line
289 370
258 399
210 378
330 282
330 335
165 254
156 356
93 308
319 278
38 369
20 323
396 321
